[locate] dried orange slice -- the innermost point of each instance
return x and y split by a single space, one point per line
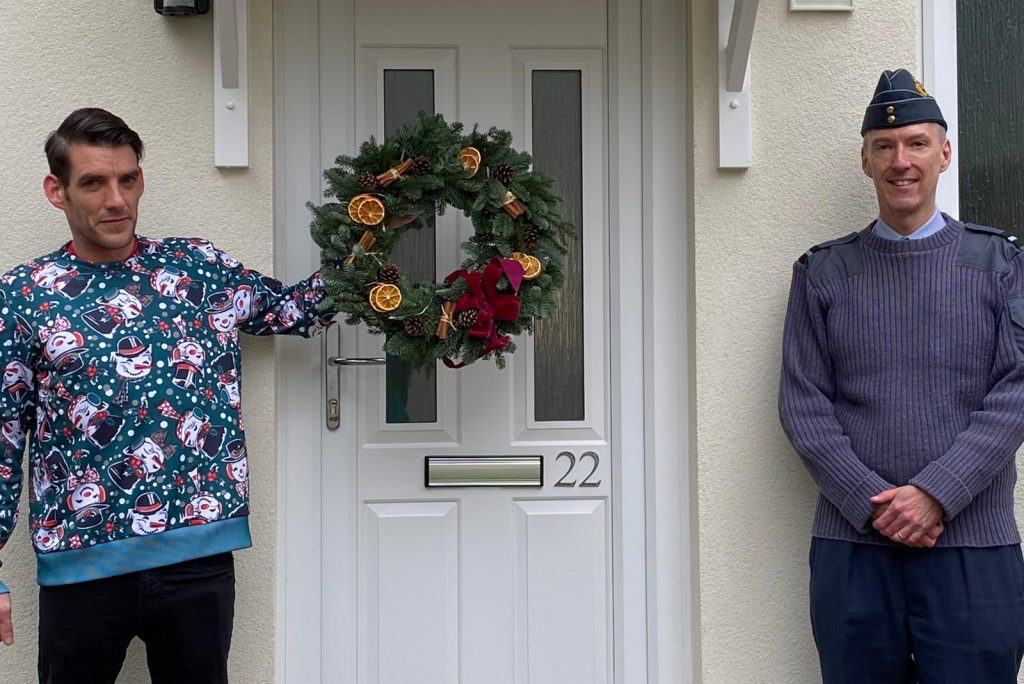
386 297
353 206
530 264
470 158
370 211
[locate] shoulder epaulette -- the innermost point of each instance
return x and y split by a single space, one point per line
825 245
987 248
834 259
978 228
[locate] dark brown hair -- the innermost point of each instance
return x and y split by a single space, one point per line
88 126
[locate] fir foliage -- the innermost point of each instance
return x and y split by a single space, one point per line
445 183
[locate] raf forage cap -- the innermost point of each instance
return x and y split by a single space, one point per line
900 100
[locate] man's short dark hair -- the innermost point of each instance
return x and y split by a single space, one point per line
87 126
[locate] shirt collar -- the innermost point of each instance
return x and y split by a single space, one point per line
936 223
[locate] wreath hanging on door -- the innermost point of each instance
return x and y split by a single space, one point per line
514 259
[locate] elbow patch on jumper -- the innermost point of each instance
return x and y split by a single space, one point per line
1016 307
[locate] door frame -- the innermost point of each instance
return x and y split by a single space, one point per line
651 274
937 55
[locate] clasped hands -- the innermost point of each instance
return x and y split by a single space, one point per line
908 515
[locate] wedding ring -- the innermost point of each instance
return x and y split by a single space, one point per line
901 535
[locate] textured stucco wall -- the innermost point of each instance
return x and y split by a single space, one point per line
156 73
811 75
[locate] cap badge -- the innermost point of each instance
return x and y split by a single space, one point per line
920 89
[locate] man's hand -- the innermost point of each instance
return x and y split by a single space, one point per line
6 626
908 515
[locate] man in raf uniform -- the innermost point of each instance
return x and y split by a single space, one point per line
902 390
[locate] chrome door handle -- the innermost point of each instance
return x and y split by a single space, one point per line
332 343
332 372
356 361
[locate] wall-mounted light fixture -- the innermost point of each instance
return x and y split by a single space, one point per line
181 8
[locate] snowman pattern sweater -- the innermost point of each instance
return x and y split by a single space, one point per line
124 379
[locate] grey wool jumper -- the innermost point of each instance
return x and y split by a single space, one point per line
903 363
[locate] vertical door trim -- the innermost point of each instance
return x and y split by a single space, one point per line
937 55
296 179
630 530
651 375
668 345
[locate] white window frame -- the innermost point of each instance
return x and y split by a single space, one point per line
937 55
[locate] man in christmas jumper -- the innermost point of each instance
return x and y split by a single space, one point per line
902 390
113 349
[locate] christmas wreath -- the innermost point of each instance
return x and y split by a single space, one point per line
514 260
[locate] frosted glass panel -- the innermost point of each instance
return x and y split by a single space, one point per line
990 58
411 395
558 152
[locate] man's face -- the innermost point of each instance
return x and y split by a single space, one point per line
101 200
905 164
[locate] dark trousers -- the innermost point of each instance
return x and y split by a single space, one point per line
183 613
896 615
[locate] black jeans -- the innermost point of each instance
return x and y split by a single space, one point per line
183 613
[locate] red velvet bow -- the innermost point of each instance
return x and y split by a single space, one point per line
490 306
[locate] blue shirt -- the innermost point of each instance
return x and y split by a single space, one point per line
931 227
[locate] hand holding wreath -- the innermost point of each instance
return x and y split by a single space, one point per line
514 262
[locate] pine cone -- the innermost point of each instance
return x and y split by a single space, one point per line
504 174
389 274
421 165
466 318
367 182
531 236
414 326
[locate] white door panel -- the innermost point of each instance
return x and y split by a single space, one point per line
560 591
502 585
411 592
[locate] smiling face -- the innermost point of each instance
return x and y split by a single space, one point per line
149 523
223 321
239 470
85 495
905 164
165 282
205 508
242 301
189 429
13 433
46 276
133 367
47 538
189 351
16 376
59 345
82 412
127 304
150 456
100 200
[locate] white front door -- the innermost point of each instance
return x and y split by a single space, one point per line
472 584
485 584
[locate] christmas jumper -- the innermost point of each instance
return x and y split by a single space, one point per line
124 379
903 363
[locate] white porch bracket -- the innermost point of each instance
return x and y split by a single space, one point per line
230 84
735 33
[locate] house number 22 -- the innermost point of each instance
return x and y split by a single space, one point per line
594 459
